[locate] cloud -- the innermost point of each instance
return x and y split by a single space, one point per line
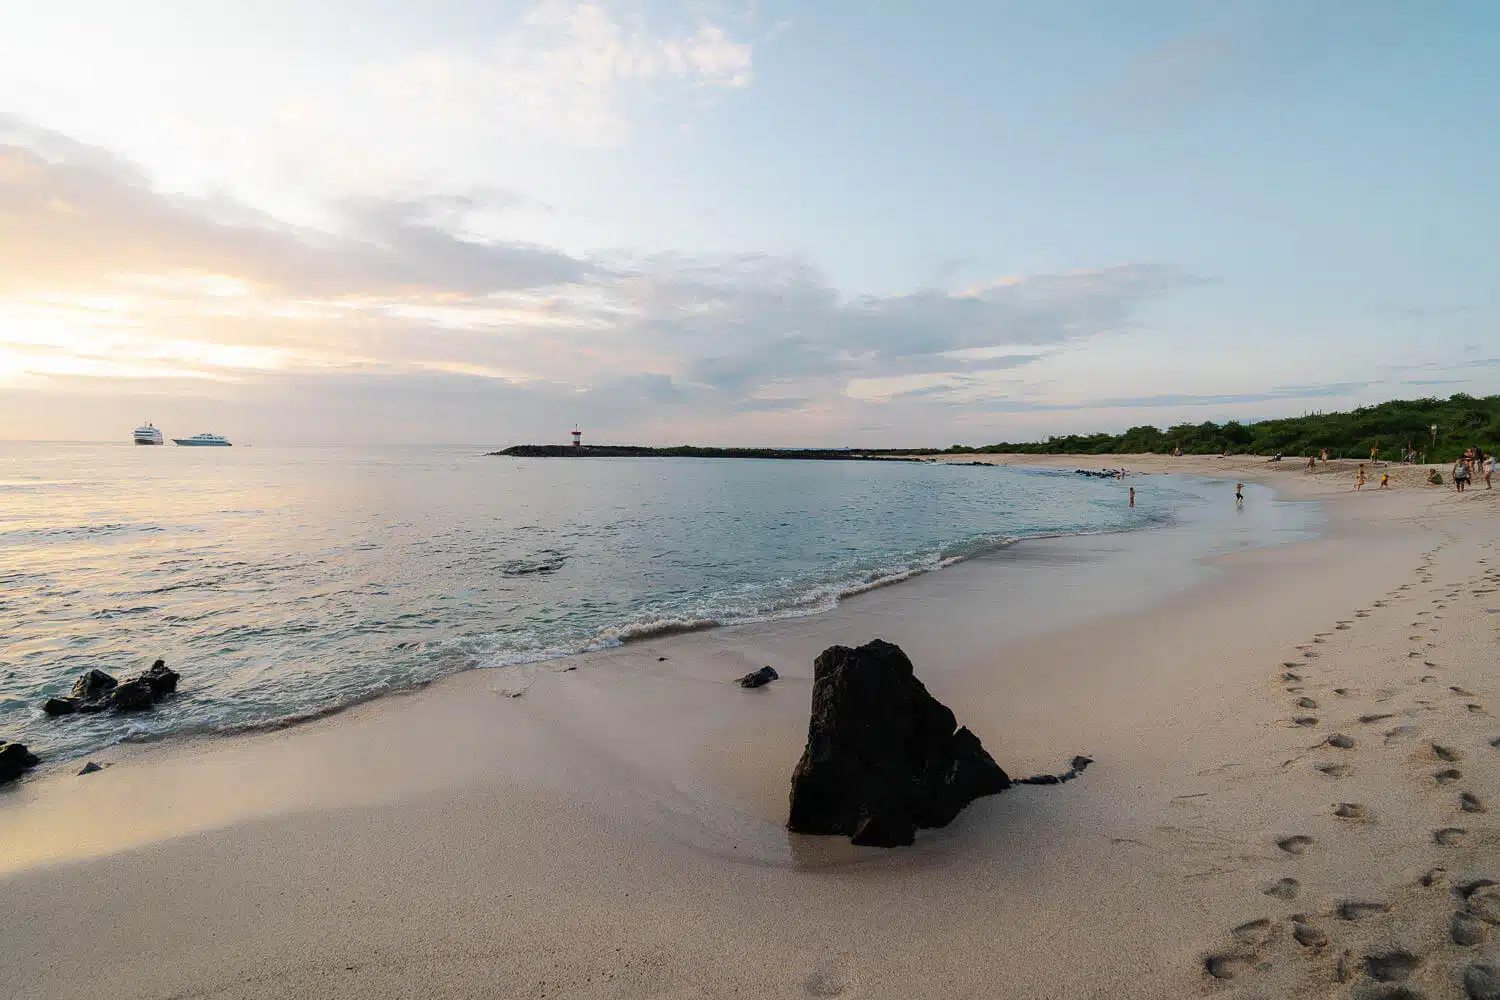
74 217
103 275
563 73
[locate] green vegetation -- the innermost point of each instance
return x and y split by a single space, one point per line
1462 422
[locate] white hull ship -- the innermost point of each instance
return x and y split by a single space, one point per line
148 434
203 441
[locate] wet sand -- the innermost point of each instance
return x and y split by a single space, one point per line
613 830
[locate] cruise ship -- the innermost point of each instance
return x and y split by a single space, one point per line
203 441
148 434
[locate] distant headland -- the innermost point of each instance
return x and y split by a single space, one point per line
692 451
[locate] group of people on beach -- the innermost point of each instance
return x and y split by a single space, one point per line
1471 465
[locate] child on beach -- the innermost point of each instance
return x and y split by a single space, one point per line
1359 483
1385 480
1460 475
1239 494
1489 470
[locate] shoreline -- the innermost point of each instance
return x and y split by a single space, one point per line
617 831
639 632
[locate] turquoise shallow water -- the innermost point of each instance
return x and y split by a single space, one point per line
288 581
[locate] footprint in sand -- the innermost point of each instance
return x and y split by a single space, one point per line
1400 733
1290 677
1467 930
1448 754
1254 933
1449 836
1342 692
1335 770
1227 966
1311 654
1482 981
1361 909
1351 810
1470 803
1305 721
1461 692
1285 888
1476 709
1296 844
1482 899
833 978
1375 717
1391 966
1306 703
1309 935
1341 741
1342 628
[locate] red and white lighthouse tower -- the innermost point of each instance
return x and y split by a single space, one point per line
577 438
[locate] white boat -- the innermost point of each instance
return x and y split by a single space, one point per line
203 441
148 434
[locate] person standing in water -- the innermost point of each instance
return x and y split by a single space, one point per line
1239 494
1132 496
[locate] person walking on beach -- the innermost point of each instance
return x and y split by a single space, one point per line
1359 482
1488 467
1460 474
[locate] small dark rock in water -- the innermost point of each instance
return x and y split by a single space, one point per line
161 678
90 768
95 691
14 760
882 756
758 678
132 696
93 686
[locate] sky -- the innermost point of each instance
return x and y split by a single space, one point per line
824 223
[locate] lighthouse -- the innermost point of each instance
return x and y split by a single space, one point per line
577 439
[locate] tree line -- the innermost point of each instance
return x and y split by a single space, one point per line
1461 421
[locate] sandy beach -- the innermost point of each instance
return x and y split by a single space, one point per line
1294 792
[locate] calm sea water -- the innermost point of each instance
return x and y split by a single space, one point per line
286 581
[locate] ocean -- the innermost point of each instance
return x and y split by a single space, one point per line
287 582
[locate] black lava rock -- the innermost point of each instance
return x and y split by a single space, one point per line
14 760
162 679
883 757
93 686
95 691
758 678
133 695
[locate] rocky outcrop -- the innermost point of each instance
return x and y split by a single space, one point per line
883 757
14 760
758 678
96 691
